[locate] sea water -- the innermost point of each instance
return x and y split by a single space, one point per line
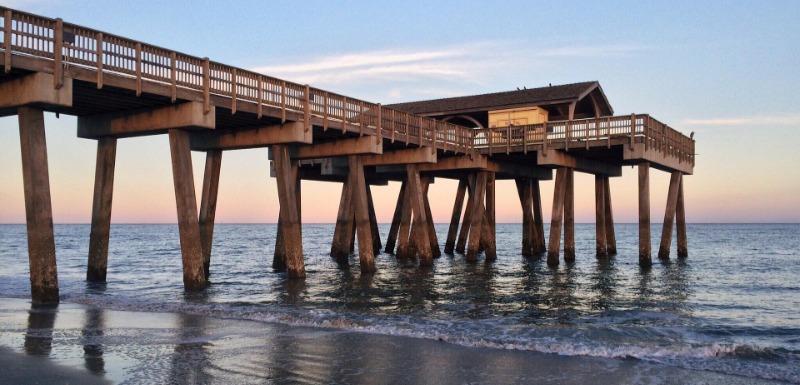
732 307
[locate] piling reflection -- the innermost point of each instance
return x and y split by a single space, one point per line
604 285
39 334
191 360
92 335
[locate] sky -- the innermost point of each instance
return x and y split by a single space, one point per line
727 71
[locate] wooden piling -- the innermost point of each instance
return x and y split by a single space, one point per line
340 247
461 242
569 217
358 185
538 220
477 216
644 214
286 173
525 200
600 216
373 222
680 223
669 215
434 240
38 211
611 238
403 246
458 205
194 277
279 254
101 209
391 239
208 204
556 221
421 239
488 231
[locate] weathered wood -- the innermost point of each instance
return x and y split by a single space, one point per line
359 201
600 216
556 220
611 238
252 137
286 173
101 210
461 242
279 254
38 211
458 205
340 247
669 215
488 230
405 224
644 214
524 193
569 217
194 277
35 89
339 147
373 222
477 217
421 238
434 240
156 120
208 204
538 218
391 239
680 222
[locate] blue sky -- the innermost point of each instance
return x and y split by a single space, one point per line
725 70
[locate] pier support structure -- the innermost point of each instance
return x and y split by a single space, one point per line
101 209
208 204
674 199
38 210
289 217
644 214
562 215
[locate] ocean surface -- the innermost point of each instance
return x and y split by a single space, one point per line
732 307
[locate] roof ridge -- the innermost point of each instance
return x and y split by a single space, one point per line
496 93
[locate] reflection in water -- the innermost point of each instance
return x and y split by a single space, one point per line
191 357
604 285
39 334
92 333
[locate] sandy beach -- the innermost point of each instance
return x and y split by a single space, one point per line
87 345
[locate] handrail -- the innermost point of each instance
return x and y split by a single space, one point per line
639 128
103 52
107 53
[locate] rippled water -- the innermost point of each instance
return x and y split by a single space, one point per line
732 307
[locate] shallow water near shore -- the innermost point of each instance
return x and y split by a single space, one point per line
730 311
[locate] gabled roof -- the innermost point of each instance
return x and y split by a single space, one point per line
497 100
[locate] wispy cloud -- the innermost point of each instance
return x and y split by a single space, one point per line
756 120
404 73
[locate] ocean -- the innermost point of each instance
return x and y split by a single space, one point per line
732 307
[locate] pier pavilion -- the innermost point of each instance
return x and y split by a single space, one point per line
121 88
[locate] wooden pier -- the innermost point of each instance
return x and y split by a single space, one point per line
120 88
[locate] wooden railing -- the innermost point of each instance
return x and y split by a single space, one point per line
70 44
588 133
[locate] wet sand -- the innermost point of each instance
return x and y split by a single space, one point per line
79 344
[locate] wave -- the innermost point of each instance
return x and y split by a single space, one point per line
677 346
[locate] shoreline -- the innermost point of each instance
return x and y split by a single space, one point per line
137 346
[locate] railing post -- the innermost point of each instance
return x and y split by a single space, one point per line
174 76
58 53
283 101
307 109
233 90
566 135
360 118
378 126
394 124
325 112
260 98
344 114
138 69
7 32
489 139
98 41
508 140
525 138
206 86
633 129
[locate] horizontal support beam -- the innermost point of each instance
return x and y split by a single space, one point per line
404 156
656 158
290 132
514 170
476 162
558 158
35 89
339 147
146 121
